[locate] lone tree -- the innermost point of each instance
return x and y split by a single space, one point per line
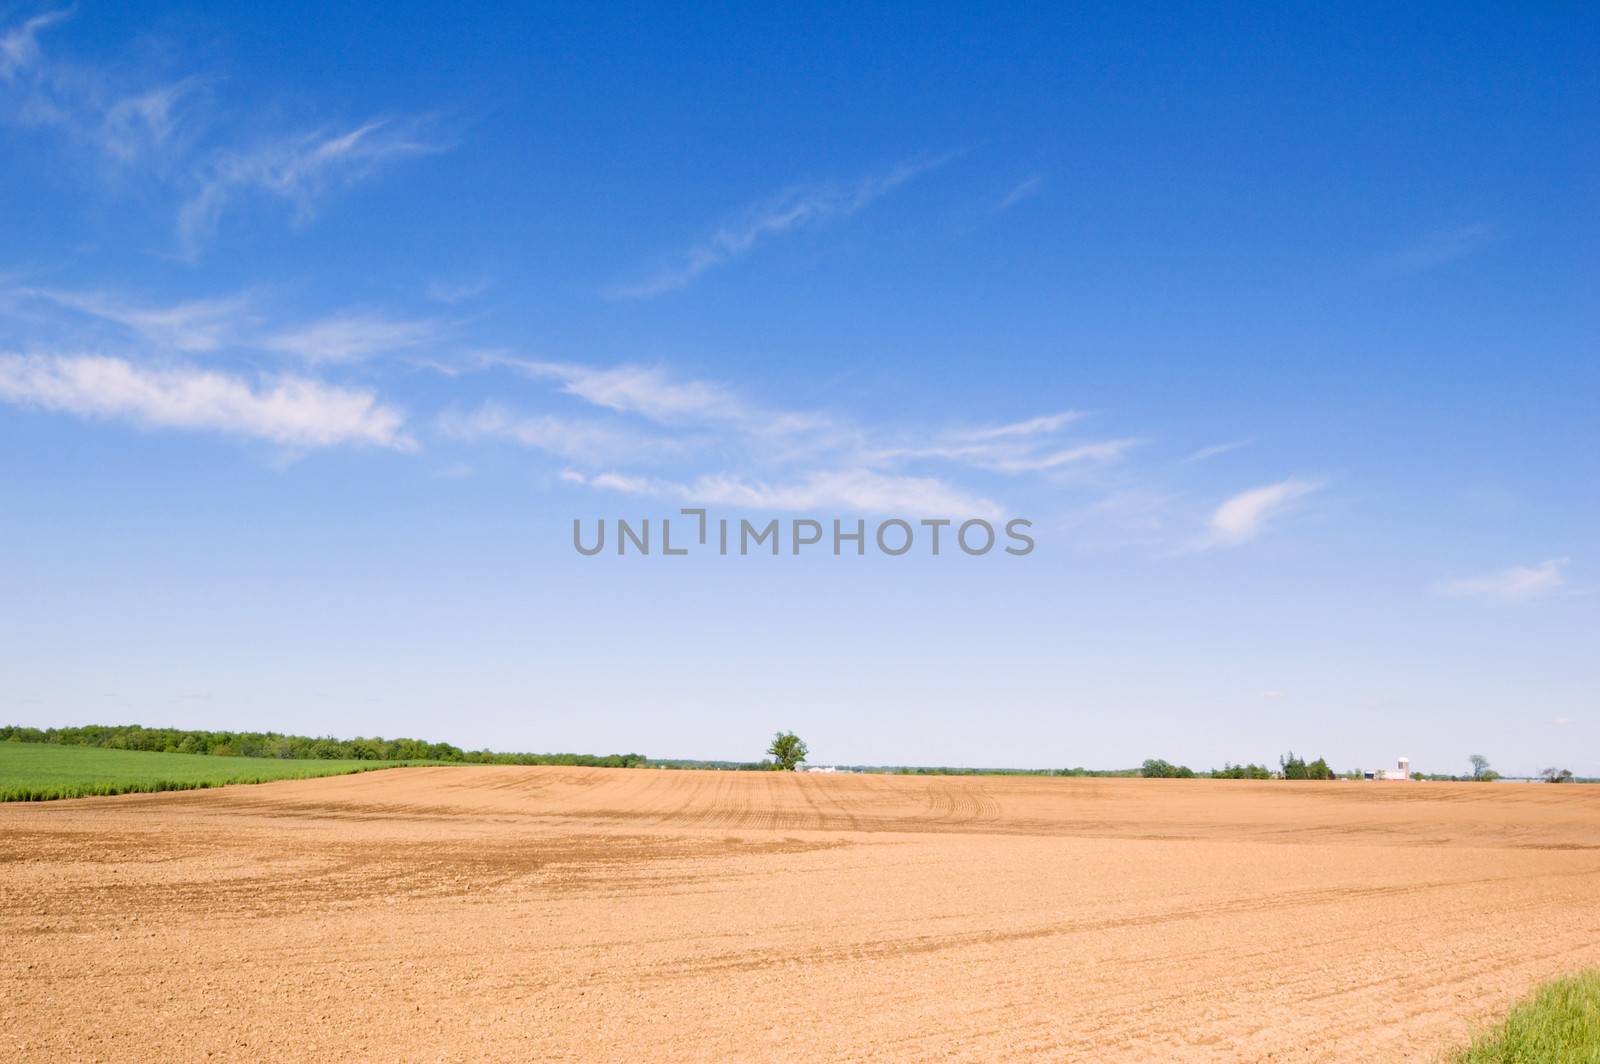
787 750
1481 770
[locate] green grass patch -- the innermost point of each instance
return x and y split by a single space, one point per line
1559 1024
38 772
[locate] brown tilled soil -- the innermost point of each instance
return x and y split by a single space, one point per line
593 914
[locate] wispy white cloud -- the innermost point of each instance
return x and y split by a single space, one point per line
19 47
92 105
1029 446
579 440
1089 453
790 210
241 321
651 414
645 390
848 491
191 326
298 169
292 411
349 337
1034 426
1245 516
452 292
1438 248
1213 451
787 459
146 121
686 403
133 119
625 483
1007 457
1515 584
1027 188
854 490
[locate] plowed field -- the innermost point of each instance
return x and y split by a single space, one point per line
590 914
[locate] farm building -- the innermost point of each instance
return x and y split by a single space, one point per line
1401 773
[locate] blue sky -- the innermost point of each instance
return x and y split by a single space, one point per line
317 331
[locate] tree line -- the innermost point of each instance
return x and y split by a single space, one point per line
293 747
787 751
1293 767
1290 767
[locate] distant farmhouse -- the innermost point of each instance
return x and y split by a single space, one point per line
1401 773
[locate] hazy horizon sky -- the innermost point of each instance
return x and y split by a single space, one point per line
317 333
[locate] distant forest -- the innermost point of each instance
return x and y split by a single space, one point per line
303 747
272 744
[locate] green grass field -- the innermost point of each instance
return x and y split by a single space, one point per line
37 772
1559 1024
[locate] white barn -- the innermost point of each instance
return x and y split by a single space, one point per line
1401 773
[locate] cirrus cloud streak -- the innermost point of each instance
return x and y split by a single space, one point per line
292 411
